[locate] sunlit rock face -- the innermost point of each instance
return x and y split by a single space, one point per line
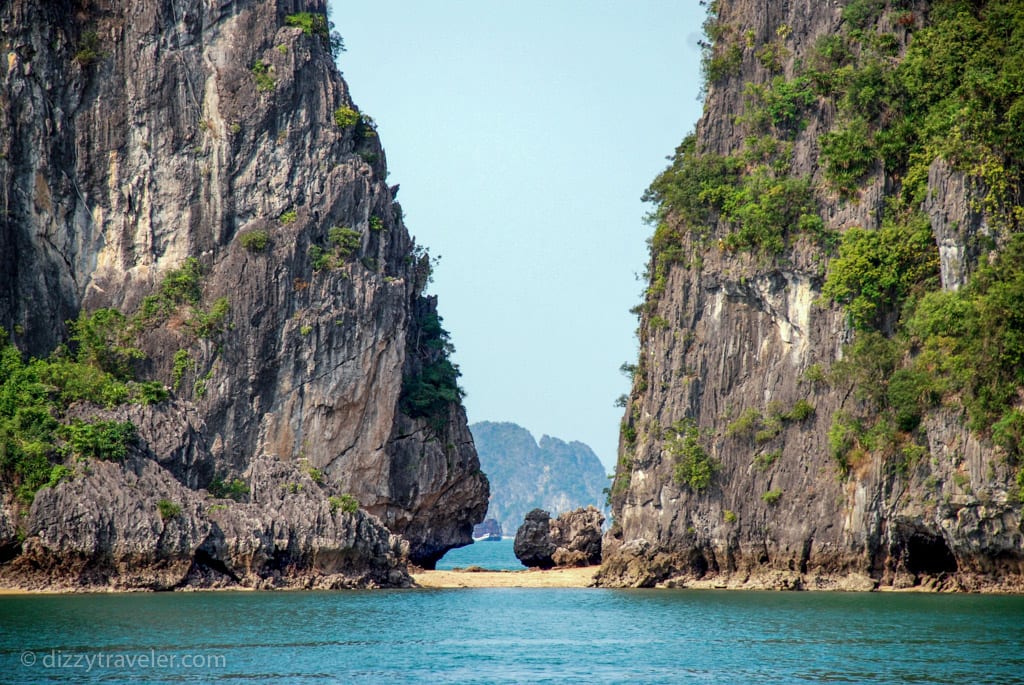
737 344
139 135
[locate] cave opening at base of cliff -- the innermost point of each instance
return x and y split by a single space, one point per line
9 551
928 555
699 565
204 563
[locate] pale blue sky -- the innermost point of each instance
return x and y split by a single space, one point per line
523 135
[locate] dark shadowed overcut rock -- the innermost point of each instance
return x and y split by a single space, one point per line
533 546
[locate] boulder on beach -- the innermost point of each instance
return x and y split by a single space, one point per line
572 539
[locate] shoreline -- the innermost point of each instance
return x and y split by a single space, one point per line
586 576
578 577
575 577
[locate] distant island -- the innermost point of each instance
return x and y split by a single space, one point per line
488 531
553 475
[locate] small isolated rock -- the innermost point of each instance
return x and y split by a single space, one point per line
533 546
573 539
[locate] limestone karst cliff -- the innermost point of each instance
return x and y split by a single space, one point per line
828 392
200 169
525 474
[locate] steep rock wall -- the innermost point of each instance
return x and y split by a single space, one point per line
138 135
727 333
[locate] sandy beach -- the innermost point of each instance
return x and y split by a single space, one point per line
559 577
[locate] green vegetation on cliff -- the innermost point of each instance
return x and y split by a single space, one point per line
318 26
434 387
692 465
903 90
97 367
877 271
35 396
752 192
957 94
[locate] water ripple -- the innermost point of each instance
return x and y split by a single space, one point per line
526 636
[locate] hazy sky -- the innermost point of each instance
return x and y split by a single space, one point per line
523 135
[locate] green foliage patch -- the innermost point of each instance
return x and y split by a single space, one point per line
211 323
746 425
430 391
972 340
693 467
179 286
345 503
103 339
801 411
751 191
779 105
310 23
346 117
319 258
876 271
346 241
721 54
849 154
318 26
235 489
763 427
107 440
34 396
263 75
183 363
183 286
343 242
765 460
255 241
1008 433
957 94
89 49
965 345
168 509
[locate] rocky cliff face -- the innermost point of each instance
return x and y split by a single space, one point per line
755 449
553 475
147 140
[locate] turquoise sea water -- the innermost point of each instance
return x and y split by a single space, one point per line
494 556
512 636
